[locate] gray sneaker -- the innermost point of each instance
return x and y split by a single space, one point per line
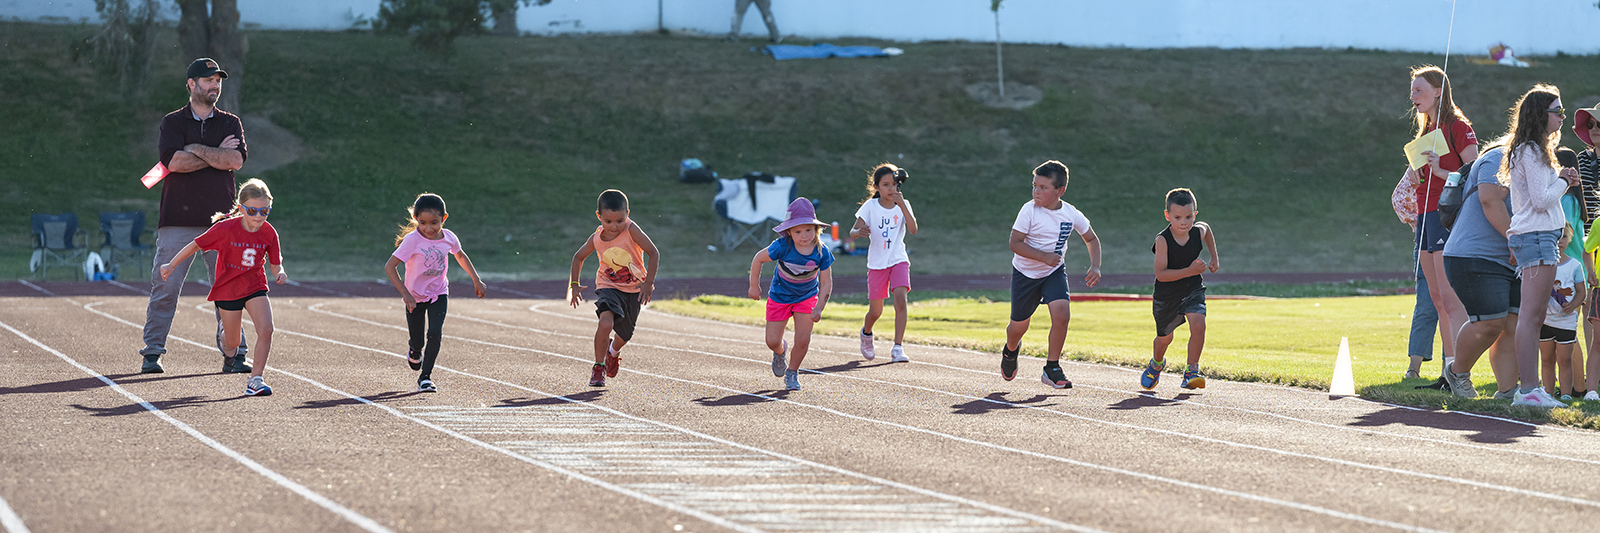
791 380
780 361
1505 394
152 364
234 364
1460 384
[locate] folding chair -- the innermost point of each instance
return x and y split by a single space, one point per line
751 206
121 233
57 241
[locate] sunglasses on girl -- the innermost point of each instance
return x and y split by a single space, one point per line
1558 110
254 211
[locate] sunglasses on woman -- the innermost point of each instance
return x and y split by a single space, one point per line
254 211
1562 111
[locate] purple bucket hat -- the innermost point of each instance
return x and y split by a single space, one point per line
800 212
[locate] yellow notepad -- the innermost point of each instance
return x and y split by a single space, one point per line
1433 141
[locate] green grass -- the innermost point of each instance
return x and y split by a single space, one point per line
1292 152
1284 341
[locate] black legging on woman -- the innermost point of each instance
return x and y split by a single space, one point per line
429 314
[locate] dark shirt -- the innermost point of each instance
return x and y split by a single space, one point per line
1589 170
190 198
1178 258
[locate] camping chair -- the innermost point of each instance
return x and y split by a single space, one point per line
121 232
751 206
57 241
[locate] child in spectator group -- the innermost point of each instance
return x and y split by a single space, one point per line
1559 335
245 244
1039 244
1180 295
886 218
801 285
1586 126
622 281
425 247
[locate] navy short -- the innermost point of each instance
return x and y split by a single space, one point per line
238 305
1171 313
1027 293
624 308
1431 234
1488 290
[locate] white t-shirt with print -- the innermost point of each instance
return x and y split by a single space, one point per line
1047 230
1569 275
888 228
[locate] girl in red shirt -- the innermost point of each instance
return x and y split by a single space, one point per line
1434 109
246 247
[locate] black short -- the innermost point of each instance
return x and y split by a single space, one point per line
1171 313
1561 336
1027 293
238 305
624 308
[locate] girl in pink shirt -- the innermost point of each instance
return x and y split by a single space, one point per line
424 246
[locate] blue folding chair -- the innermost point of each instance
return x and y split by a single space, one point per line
121 234
57 241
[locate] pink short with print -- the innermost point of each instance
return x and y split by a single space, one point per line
777 312
881 281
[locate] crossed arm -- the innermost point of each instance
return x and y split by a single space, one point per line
198 156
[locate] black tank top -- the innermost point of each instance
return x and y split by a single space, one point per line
1179 257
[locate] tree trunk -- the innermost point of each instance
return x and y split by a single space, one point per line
194 29
505 20
228 47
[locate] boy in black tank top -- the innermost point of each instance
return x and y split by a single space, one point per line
1180 296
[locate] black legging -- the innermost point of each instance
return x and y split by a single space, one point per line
435 311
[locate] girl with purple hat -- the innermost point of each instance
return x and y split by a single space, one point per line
801 285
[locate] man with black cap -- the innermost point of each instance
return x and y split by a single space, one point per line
201 146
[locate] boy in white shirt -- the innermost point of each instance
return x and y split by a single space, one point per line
1039 243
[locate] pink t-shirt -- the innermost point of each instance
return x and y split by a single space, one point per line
427 262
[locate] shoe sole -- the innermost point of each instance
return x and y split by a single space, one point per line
1046 380
151 370
1194 384
414 366
427 389
901 359
264 391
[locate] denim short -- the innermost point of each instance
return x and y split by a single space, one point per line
1431 234
1535 248
1488 290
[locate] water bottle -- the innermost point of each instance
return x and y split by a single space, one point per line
1453 179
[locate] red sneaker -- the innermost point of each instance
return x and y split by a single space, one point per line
597 378
613 364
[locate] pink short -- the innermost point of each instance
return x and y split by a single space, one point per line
777 312
881 281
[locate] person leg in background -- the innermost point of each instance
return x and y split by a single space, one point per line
1490 297
1424 319
164 294
765 6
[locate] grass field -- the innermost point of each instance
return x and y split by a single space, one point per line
1292 152
1291 341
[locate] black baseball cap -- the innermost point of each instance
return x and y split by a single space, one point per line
204 68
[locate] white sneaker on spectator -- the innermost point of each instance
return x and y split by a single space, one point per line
866 346
1591 396
1537 398
898 355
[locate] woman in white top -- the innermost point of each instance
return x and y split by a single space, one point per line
886 218
1530 171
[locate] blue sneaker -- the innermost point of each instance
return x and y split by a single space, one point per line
1193 380
1152 374
791 380
255 387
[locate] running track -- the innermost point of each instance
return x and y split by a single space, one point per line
695 436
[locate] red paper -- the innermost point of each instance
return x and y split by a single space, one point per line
154 175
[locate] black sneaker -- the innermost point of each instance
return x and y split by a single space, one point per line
1008 362
234 364
1438 384
1054 377
152 364
413 360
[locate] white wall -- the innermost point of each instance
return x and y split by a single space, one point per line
1532 27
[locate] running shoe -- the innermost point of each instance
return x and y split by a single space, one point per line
780 361
898 355
414 359
1591 396
1537 398
1505 394
152 364
1438 384
1566 397
791 380
426 385
234 364
597 378
1411 374
613 363
1193 380
1152 374
867 350
1460 384
1008 363
256 387
1054 377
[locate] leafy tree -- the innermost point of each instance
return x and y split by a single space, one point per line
214 32
435 24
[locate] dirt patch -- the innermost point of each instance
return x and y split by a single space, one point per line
1018 96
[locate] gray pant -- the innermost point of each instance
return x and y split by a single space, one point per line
739 8
164 293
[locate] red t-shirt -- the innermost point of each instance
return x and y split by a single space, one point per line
241 270
1461 136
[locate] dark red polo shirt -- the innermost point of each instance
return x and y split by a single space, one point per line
190 198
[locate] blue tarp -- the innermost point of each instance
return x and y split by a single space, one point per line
781 52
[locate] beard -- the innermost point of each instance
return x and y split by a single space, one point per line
209 99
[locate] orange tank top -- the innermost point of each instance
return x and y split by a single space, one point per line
621 262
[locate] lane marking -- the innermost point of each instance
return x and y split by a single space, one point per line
351 516
30 285
538 308
1074 462
641 495
10 520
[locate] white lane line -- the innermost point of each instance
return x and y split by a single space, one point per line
351 516
30 285
1286 453
640 495
537 308
10 520
1074 462
129 287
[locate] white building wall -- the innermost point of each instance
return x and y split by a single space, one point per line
1532 27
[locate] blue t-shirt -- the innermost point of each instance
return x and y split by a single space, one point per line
1473 235
795 278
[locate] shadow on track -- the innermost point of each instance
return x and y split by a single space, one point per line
87 383
1149 399
1483 430
342 402
585 396
741 398
164 405
996 401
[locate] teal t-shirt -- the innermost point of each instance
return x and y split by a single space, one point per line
1573 208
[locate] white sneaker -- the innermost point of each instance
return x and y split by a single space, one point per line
898 354
866 347
1591 396
1537 398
